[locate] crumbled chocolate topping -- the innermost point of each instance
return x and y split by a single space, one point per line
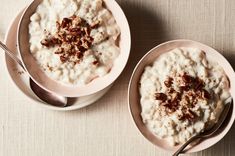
161 96
191 89
168 82
95 25
199 84
205 94
50 41
96 62
72 38
187 79
188 115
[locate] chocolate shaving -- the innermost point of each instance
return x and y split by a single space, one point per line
160 96
187 78
63 58
50 41
96 62
199 84
168 82
184 88
66 22
95 25
206 94
189 115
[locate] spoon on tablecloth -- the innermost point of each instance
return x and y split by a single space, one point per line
48 97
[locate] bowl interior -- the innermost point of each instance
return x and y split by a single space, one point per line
148 59
66 90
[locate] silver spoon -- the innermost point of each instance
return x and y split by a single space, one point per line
209 132
48 97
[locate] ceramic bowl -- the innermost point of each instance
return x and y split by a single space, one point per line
134 97
96 85
21 79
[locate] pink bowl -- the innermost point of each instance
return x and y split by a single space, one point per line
134 97
96 85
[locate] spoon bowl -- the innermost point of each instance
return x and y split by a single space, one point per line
48 97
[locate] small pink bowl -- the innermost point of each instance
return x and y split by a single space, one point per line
134 97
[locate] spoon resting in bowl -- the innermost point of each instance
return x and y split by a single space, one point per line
48 97
209 132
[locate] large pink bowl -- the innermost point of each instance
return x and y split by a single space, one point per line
134 97
96 85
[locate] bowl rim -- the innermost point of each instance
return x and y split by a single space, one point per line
88 89
191 150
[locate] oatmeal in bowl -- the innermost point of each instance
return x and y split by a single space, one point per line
74 42
182 94
179 90
75 48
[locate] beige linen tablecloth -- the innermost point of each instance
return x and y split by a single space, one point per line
106 128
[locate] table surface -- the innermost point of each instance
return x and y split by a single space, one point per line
106 128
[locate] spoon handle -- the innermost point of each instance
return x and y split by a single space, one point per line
9 53
185 145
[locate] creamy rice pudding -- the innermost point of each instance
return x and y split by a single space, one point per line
74 42
182 94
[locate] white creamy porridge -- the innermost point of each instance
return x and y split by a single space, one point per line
74 41
182 94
